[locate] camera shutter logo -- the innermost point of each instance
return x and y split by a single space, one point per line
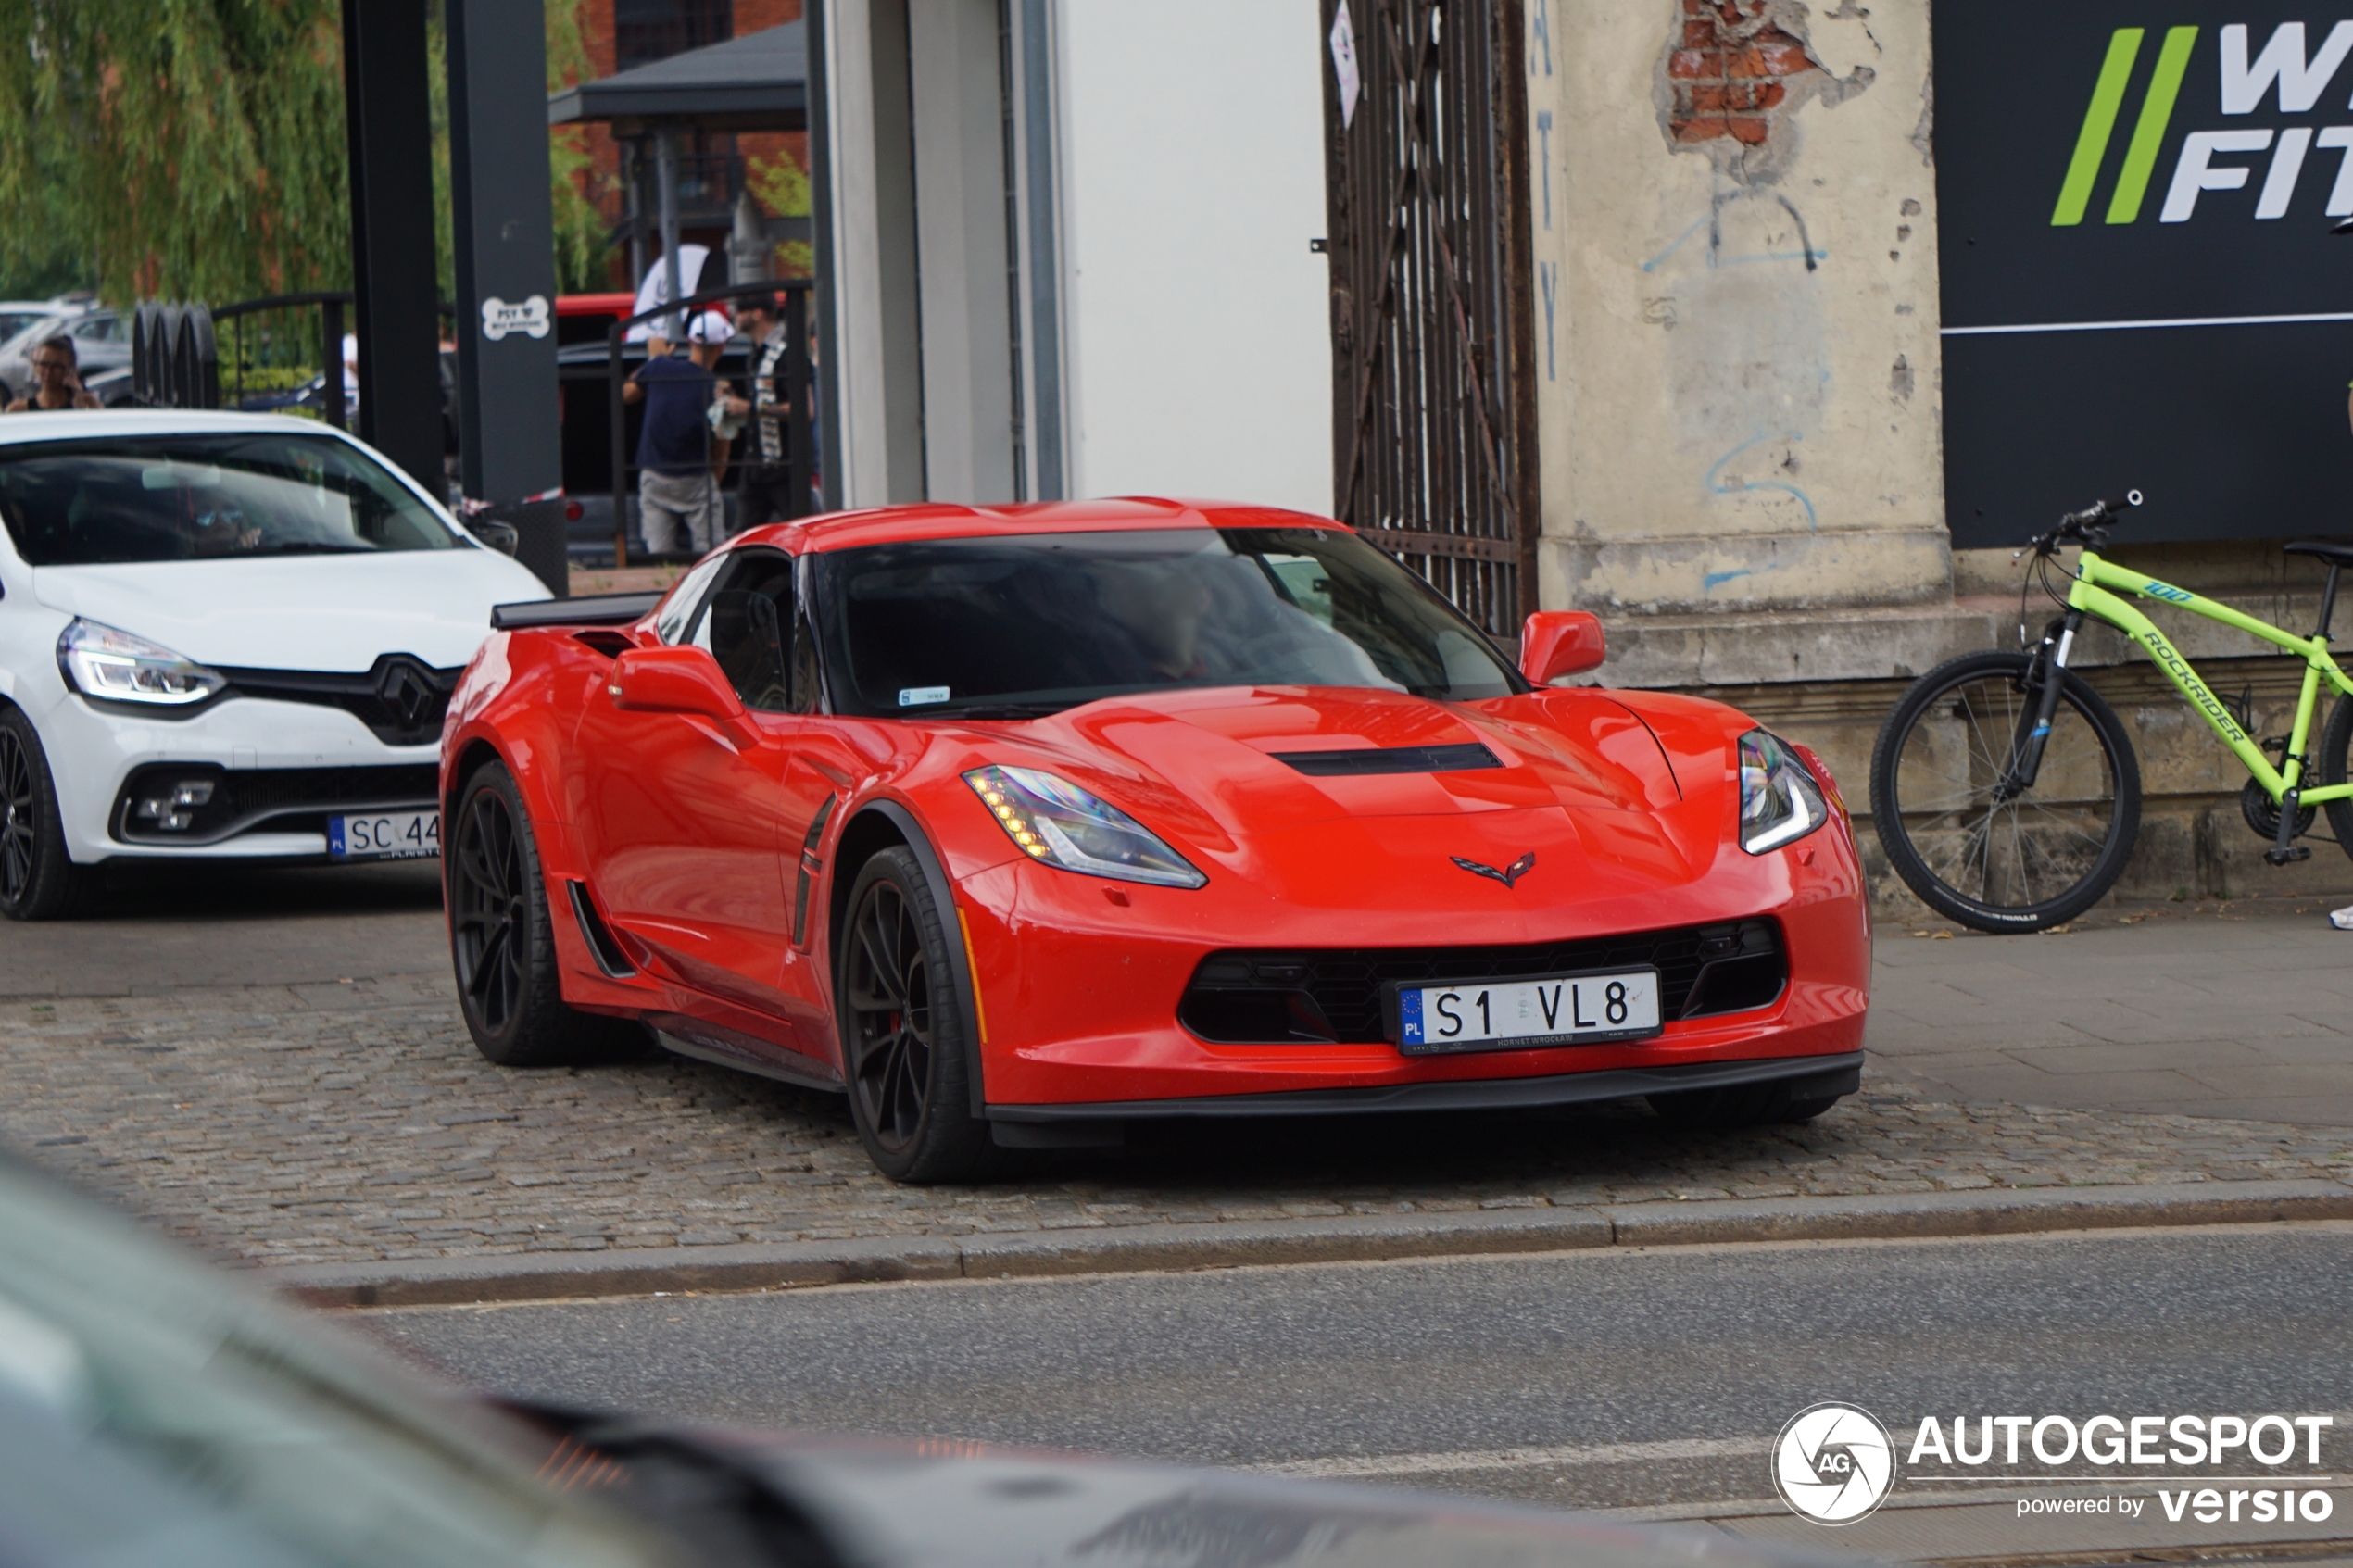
1833 1464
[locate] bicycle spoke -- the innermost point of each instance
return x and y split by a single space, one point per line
2014 851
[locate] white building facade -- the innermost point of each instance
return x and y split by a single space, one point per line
1071 250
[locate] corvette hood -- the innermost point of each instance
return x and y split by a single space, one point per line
1271 760
300 612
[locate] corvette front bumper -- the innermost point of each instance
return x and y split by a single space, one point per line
1080 995
1048 1125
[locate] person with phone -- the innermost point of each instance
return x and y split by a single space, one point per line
56 380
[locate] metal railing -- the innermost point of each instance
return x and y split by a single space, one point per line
799 450
1432 327
175 350
331 308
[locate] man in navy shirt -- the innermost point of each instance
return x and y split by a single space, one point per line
678 503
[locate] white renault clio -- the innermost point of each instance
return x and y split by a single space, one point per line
222 636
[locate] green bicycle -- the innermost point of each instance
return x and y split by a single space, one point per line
2004 791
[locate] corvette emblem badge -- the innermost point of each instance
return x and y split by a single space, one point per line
1507 876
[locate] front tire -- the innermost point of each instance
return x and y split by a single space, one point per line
902 1029
38 878
502 944
2335 742
2020 864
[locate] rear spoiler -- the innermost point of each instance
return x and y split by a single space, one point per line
589 609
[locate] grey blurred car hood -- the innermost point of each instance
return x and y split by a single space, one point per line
955 1505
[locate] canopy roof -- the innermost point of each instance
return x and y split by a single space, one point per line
756 83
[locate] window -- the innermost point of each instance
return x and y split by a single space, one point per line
99 329
671 624
124 500
746 624
1047 621
647 30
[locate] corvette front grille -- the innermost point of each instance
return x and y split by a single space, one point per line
1268 997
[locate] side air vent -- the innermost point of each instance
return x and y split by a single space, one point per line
602 944
810 866
1389 759
613 644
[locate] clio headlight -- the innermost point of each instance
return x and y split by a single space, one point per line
99 662
1779 801
1054 821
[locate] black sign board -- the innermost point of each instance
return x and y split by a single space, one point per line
2140 288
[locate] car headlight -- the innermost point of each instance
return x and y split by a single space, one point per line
99 662
1056 821
1779 801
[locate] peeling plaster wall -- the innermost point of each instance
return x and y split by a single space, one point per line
1736 308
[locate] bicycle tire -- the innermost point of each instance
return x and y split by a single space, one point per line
2334 741
2050 874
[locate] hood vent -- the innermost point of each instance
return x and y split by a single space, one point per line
1389 759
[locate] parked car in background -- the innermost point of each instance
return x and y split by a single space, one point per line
101 342
16 315
155 1412
112 388
222 637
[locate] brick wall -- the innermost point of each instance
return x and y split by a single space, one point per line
1731 69
602 180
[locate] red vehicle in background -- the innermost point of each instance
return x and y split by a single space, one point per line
1022 824
585 318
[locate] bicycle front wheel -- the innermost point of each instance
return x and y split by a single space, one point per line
1994 858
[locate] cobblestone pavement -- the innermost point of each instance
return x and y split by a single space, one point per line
354 1122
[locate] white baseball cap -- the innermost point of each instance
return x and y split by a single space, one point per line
710 326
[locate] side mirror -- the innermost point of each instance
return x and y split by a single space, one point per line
673 681
1560 642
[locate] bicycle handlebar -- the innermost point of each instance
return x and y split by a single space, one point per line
2100 511
2078 525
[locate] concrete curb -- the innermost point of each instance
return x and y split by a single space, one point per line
539 1277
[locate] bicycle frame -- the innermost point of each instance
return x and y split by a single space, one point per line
2090 596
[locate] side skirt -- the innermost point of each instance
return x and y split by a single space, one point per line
704 1042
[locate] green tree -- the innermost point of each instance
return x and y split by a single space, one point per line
176 146
194 148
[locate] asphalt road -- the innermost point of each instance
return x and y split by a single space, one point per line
1646 1380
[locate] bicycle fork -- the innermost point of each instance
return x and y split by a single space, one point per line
2043 679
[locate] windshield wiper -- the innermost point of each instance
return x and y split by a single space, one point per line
1000 710
310 547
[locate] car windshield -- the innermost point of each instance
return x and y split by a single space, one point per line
1040 623
150 1413
193 497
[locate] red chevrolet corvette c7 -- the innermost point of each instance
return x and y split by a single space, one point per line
1023 823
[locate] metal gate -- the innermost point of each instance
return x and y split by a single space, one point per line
1434 405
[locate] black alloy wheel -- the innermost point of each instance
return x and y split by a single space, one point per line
902 1029
502 945
38 878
